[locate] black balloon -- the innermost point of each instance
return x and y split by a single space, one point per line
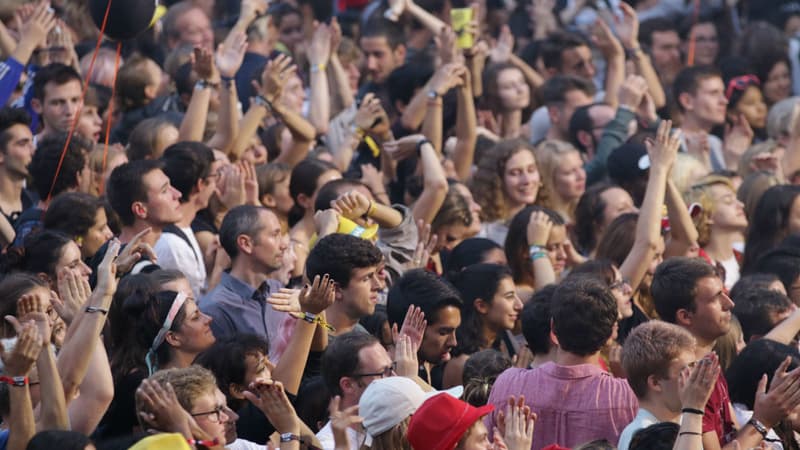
126 18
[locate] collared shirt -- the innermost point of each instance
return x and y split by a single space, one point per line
575 404
237 307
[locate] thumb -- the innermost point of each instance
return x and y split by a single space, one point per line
762 384
15 323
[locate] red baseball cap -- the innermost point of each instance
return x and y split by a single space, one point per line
442 421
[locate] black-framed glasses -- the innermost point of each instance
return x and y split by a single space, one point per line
619 284
213 415
385 372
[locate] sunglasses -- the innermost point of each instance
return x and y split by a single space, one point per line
741 83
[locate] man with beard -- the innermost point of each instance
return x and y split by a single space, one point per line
16 152
441 304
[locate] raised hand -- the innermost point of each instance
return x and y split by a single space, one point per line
369 113
319 296
405 356
326 222
275 76
336 36
632 92
695 384
538 230
341 420
783 397
60 45
204 65
31 308
73 293
270 398
107 270
19 361
319 50
448 50
352 204
251 9
396 9
134 251
628 26
35 23
161 409
403 148
426 244
413 328
230 187
738 136
285 300
504 46
664 149
446 77
250 179
230 54
516 424
605 41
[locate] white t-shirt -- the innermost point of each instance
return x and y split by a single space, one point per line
325 437
643 419
241 444
174 253
732 274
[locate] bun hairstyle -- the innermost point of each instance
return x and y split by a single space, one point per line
144 312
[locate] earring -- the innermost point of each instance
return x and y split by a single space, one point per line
79 241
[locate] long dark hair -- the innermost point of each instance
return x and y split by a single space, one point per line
769 224
479 281
39 254
517 241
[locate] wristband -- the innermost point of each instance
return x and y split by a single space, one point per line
14 381
693 411
760 427
420 144
94 309
204 442
226 79
288 437
260 100
693 433
313 318
317 68
205 84
535 248
538 255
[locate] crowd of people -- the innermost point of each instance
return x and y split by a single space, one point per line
401 225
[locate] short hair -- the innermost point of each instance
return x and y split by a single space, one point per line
688 80
468 252
779 117
581 120
269 175
536 317
338 255
186 163
759 357
57 73
331 190
584 314
46 161
341 358
132 79
650 348
755 310
556 44
189 383
125 186
381 27
8 118
675 285
72 213
655 25
226 360
243 219
170 21
659 436
750 282
424 290
784 262
556 88
405 79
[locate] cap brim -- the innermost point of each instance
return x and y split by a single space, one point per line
455 392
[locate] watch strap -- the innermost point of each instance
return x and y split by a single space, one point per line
288 437
760 427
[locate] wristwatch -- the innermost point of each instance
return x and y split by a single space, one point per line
288 437
760 427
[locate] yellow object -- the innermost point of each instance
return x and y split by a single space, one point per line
460 18
162 441
347 226
160 11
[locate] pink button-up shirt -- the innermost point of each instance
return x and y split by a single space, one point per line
575 404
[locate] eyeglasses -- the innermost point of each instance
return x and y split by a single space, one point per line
741 83
385 372
214 415
619 284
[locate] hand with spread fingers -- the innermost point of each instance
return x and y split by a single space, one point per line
161 410
73 293
19 361
341 420
134 251
30 309
317 297
271 399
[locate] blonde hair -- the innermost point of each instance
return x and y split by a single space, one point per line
683 170
649 350
487 184
549 155
189 383
700 193
392 439
725 347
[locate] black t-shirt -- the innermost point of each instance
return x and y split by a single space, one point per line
627 325
120 419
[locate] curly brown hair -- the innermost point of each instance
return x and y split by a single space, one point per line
487 183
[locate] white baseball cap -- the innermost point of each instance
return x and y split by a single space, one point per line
388 401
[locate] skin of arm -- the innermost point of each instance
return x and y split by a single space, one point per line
434 185
247 129
303 134
427 19
228 126
194 121
466 130
319 55
290 370
96 393
432 124
341 84
531 76
53 412
683 232
21 423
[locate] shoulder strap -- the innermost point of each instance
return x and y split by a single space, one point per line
173 229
